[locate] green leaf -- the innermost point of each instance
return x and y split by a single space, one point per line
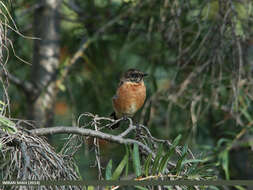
222 140
196 176
179 163
246 114
7 125
176 140
165 160
108 170
91 188
224 160
127 163
116 174
191 161
242 10
136 160
3 104
169 187
147 164
239 187
158 157
167 156
211 10
185 149
141 188
213 188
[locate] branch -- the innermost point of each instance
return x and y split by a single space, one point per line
26 160
88 132
26 86
129 129
86 42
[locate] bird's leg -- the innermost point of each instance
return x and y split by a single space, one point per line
137 125
125 118
138 128
135 122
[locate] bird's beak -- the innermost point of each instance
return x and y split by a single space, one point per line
145 74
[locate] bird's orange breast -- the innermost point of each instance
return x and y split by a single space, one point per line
129 98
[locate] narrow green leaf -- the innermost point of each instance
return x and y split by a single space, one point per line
136 160
3 104
191 161
165 160
116 174
179 163
158 157
108 170
176 140
91 188
224 160
213 188
127 162
192 177
169 187
141 188
222 140
246 114
185 148
147 164
239 187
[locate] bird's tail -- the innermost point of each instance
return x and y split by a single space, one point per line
116 125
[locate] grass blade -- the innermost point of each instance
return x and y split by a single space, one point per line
147 164
116 174
108 170
136 160
155 167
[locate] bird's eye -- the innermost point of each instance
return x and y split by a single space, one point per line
134 75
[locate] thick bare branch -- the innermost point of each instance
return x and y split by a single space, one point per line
90 133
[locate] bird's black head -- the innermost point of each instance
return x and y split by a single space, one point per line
133 75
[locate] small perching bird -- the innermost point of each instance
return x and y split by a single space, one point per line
130 95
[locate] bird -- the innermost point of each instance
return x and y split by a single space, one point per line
130 95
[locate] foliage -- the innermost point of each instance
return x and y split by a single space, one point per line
27 157
199 58
157 168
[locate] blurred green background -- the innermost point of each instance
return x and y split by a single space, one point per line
198 55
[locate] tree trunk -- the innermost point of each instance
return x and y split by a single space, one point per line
1 43
45 62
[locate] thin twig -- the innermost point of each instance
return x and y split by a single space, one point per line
97 151
129 129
